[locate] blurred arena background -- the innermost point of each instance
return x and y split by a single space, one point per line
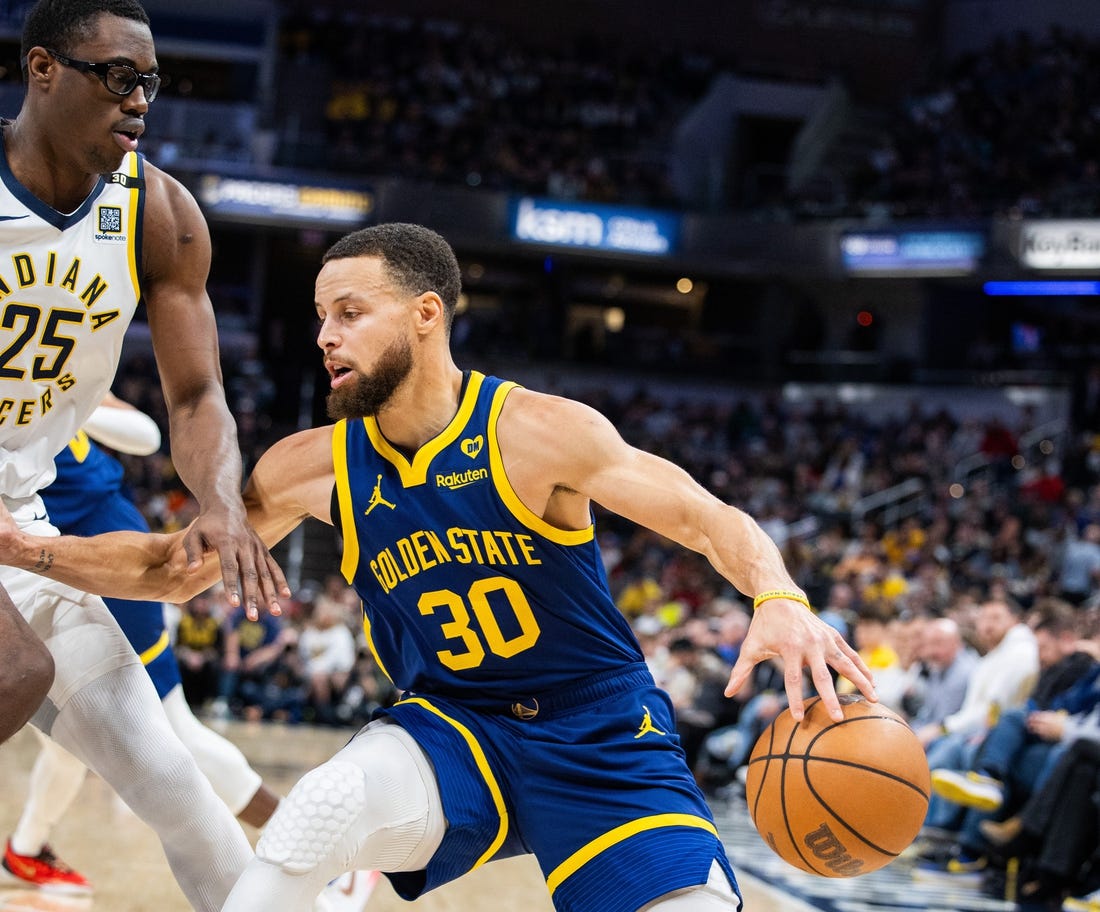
875 208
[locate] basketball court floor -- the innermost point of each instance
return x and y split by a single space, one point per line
120 855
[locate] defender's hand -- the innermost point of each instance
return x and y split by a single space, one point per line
249 572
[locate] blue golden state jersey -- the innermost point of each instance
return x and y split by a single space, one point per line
86 477
465 591
69 286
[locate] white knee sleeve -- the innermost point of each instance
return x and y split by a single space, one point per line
221 761
375 805
716 895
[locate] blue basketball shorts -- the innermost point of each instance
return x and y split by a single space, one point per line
593 782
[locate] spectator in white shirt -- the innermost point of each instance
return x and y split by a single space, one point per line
327 649
1002 679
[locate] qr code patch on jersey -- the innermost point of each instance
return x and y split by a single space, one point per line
110 219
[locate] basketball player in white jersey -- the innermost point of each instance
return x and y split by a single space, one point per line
89 229
91 497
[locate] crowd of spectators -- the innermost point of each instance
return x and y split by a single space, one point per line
1009 129
1029 705
468 104
1012 129
311 664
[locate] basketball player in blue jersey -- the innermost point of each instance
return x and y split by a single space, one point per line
88 230
529 722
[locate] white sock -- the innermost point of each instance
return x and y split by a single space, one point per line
55 779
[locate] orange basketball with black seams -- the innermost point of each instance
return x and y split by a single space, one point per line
838 798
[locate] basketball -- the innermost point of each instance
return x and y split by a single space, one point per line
838 798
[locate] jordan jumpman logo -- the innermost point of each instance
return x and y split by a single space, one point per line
647 727
376 498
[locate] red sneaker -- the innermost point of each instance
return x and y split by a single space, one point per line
44 870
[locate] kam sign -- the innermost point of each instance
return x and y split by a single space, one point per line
1073 244
594 227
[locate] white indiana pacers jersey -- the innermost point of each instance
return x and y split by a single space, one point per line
69 286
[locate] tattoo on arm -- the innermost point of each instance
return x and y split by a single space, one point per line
45 561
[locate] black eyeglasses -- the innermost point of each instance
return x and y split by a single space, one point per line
119 78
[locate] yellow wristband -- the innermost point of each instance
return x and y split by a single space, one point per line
780 593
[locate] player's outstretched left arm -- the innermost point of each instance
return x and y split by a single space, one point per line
576 449
292 480
203 433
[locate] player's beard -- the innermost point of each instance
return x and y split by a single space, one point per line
368 393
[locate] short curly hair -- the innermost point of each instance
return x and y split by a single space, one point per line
62 24
416 258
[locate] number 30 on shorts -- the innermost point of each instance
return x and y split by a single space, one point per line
480 599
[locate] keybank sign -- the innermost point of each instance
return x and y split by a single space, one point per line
1060 244
594 227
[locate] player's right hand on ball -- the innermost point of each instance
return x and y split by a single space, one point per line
787 629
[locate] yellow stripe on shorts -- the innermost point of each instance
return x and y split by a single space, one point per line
586 853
